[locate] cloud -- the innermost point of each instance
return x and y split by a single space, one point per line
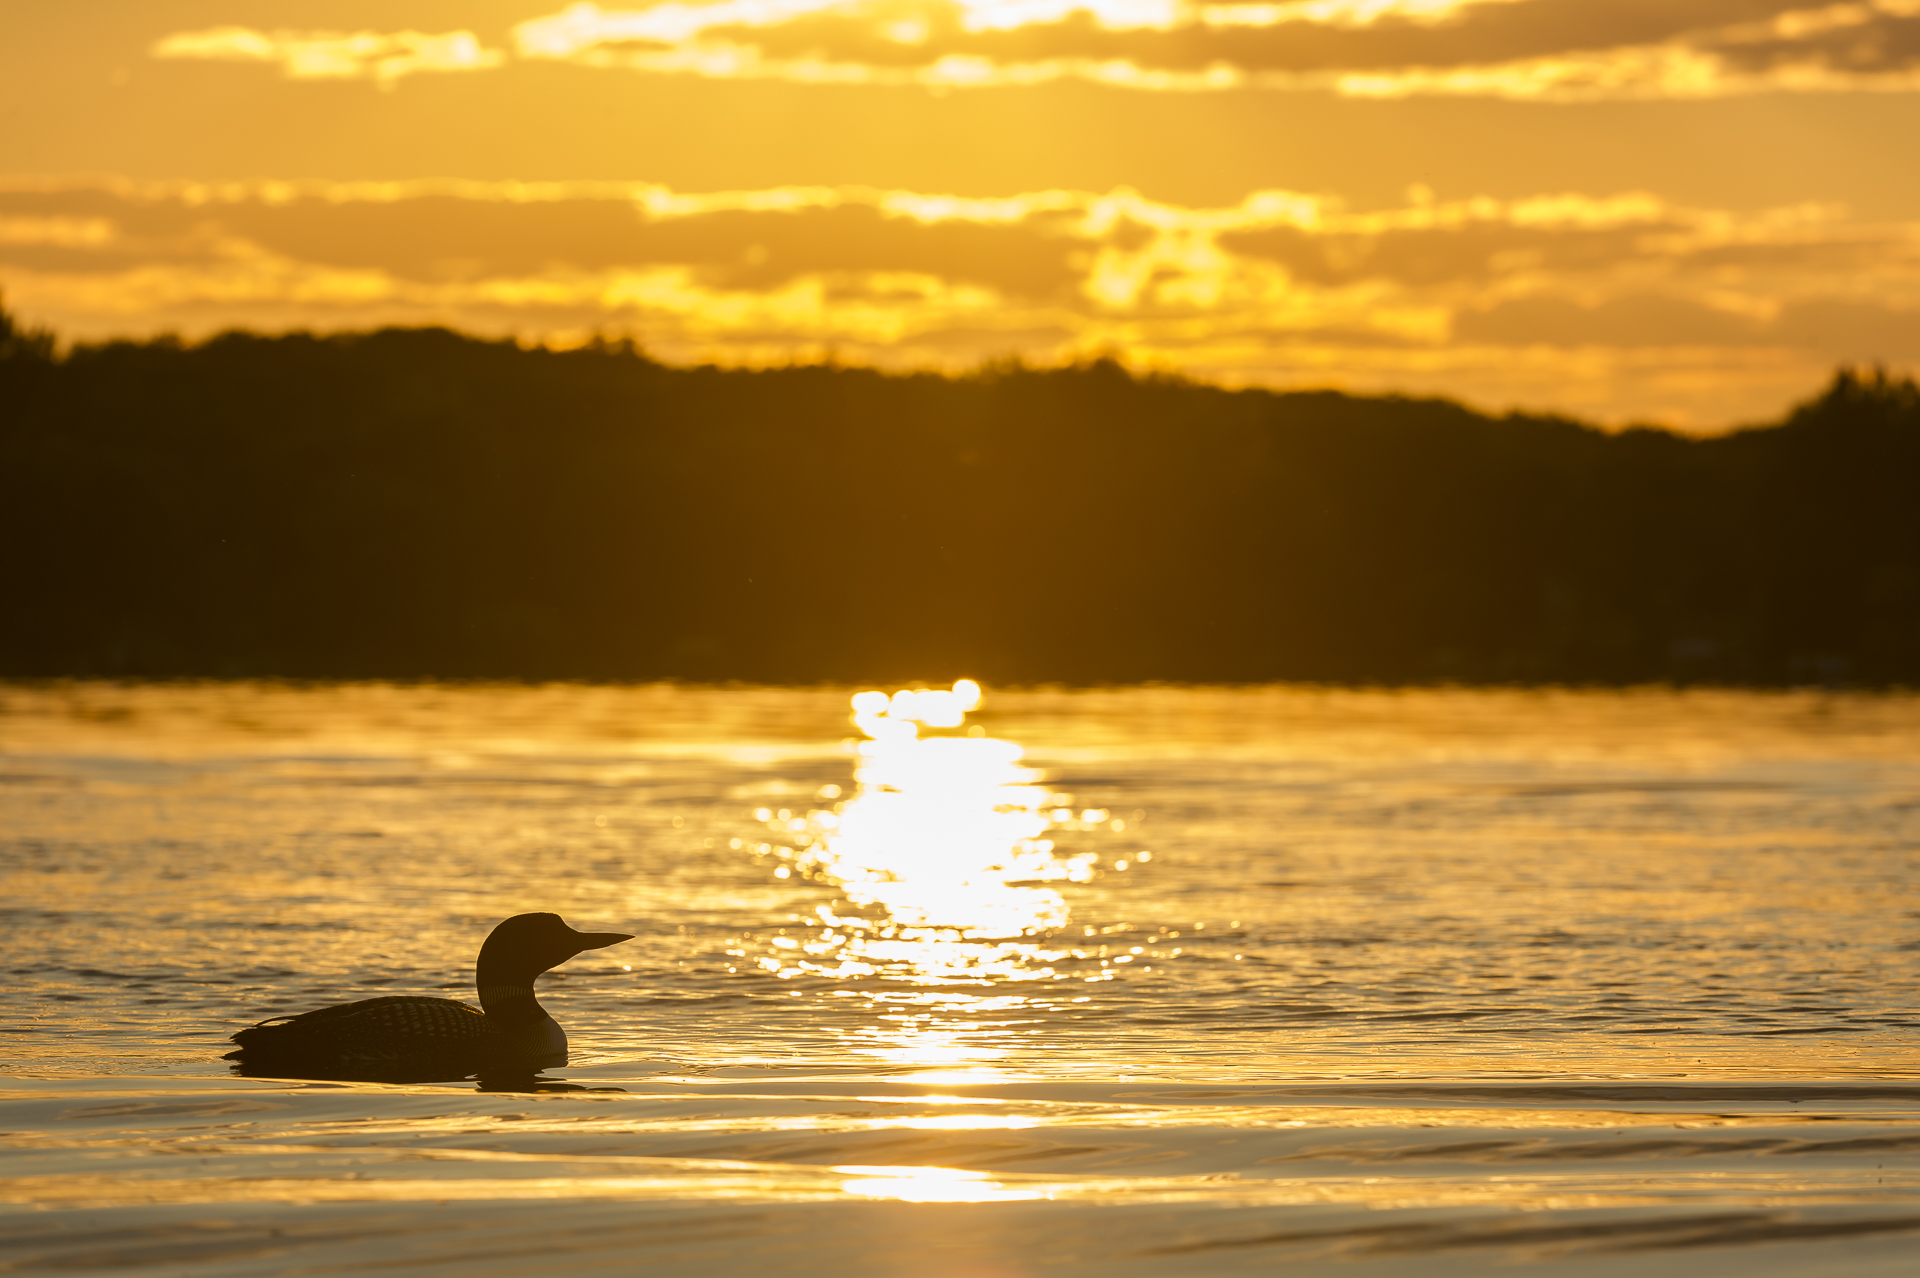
1837 48
1838 329
1644 307
1533 50
1539 50
61 232
333 55
583 27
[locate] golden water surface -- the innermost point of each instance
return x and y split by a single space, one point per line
952 982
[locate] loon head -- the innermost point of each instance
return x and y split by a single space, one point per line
528 944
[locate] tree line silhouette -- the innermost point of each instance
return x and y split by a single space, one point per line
418 503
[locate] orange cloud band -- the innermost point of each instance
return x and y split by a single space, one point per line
1535 50
1618 306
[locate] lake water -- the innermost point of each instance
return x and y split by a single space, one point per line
1149 981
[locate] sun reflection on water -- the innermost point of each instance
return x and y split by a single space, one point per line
941 855
930 1185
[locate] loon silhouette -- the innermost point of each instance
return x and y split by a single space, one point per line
417 1039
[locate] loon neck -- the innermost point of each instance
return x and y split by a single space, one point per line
511 1003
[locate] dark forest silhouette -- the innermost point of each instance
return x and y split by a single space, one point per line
419 503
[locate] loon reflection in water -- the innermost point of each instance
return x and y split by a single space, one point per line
410 1040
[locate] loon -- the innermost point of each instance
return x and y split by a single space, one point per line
419 1039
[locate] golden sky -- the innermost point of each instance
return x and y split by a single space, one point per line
1677 210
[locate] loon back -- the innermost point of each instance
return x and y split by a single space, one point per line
373 1031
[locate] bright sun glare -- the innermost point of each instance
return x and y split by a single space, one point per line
929 1185
940 852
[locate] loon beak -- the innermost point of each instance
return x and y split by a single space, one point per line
597 940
